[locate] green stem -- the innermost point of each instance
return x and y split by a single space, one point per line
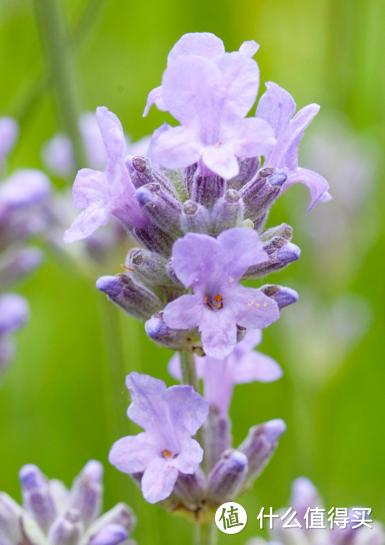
189 375
57 50
205 534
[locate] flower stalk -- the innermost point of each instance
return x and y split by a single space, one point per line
205 534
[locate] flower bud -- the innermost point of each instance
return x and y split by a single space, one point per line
175 339
154 239
134 298
10 513
284 230
19 264
226 478
14 312
217 431
282 296
120 515
142 173
227 212
87 492
189 489
113 534
162 209
280 252
195 218
152 268
188 178
259 446
247 170
37 498
261 192
66 530
207 190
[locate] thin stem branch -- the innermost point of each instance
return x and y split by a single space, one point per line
58 54
189 375
205 534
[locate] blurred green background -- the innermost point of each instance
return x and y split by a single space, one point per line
55 403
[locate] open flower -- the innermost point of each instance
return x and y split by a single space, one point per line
170 417
108 193
213 268
210 94
242 366
277 107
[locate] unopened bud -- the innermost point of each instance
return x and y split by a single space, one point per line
37 498
152 268
19 264
87 492
154 239
175 339
162 209
195 218
227 212
14 312
217 431
190 488
134 298
247 170
10 514
188 178
226 478
282 296
280 252
259 446
113 534
261 192
66 530
120 515
207 190
142 173
284 230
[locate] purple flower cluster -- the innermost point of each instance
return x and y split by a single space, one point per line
198 203
52 515
23 214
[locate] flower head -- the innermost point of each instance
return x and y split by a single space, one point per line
277 107
170 417
213 268
242 366
210 92
108 193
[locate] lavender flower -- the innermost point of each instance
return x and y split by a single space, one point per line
57 153
242 366
170 417
14 313
277 107
304 497
53 515
108 193
213 268
210 95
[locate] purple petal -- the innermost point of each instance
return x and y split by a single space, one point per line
191 456
176 148
133 453
14 312
92 140
154 139
239 82
249 48
147 405
315 182
112 134
87 222
187 408
252 308
155 97
252 339
189 93
89 187
276 106
195 258
184 312
241 248
158 480
250 137
221 160
326 197
202 44
255 366
57 155
25 188
219 333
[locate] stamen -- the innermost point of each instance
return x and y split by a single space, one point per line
218 298
127 268
217 144
166 454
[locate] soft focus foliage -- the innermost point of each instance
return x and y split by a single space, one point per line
55 408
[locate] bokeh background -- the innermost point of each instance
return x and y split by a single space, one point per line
56 407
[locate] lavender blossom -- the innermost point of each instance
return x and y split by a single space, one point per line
210 95
170 417
277 107
53 515
243 365
213 268
108 193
